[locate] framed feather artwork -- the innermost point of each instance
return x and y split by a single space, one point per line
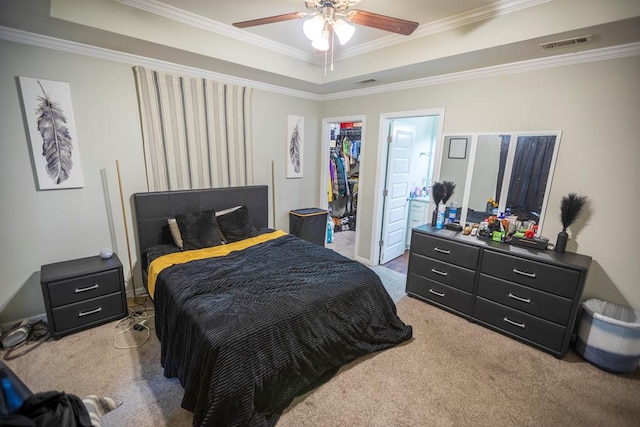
295 145
52 131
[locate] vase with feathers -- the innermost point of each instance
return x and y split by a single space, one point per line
571 207
441 192
437 193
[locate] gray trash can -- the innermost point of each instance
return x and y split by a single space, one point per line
609 336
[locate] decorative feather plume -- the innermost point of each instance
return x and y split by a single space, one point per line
437 192
449 187
570 208
56 141
294 148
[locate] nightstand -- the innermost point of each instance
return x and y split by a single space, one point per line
83 293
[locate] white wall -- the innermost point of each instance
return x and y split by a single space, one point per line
40 227
596 105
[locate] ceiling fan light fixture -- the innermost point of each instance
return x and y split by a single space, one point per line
343 30
312 27
322 42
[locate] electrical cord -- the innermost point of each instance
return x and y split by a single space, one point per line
133 325
38 333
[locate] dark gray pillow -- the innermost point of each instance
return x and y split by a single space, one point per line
236 224
199 230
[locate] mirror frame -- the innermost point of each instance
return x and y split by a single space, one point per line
471 154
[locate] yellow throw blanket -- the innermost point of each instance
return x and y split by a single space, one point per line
160 263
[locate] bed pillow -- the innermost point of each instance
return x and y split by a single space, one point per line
199 230
175 232
236 224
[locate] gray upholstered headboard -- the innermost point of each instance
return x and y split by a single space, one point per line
153 209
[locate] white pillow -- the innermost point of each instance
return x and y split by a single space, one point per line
226 211
175 232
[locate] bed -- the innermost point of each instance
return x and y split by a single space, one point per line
248 330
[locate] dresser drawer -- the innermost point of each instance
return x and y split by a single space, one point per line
531 328
448 274
445 250
415 222
84 287
523 298
440 294
546 277
88 311
417 207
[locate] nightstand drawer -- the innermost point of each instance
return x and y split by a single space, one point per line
546 277
523 298
83 287
531 328
439 293
88 311
445 250
448 274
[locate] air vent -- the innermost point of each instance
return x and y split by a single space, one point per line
366 81
565 42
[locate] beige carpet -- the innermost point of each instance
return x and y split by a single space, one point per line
451 373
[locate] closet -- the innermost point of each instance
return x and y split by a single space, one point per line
344 168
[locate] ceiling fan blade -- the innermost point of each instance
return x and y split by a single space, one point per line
270 19
382 22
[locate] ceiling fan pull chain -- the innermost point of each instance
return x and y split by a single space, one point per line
333 36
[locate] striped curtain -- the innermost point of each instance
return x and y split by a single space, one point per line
196 132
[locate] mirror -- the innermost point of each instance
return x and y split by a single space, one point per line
486 179
455 164
506 172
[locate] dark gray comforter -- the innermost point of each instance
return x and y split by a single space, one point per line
248 332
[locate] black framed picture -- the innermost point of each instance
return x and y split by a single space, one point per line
458 148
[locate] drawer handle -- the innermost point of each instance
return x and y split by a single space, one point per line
442 251
88 288
436 293
86 313
516 297
524 273
520 325
441 273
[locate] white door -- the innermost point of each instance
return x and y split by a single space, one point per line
394 224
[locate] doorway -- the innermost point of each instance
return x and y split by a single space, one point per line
408 146
421 163
344 175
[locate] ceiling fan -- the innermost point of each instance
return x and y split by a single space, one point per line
328 17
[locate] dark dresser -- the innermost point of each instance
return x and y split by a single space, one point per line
528 294
83 293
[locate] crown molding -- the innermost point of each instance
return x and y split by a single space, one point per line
498 8
48 42
502 7
603 54
188 18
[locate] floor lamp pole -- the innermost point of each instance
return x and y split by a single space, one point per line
126 231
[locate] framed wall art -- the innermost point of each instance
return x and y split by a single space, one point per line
295 146
54 144
458 148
